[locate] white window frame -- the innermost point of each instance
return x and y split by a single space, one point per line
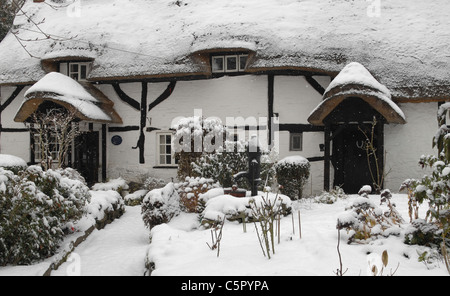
215 70
224 59
77 74
239 61
160 153
291 141
236 57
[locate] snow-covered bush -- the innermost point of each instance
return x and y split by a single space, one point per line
220 206
36 208
190 191
434 188
118 184
152 183
292 173
160 205
330 197
12 163
363 220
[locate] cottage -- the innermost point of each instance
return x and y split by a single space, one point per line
321 73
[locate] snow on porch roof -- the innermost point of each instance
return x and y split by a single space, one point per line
356 81
87 102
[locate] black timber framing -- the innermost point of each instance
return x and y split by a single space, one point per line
104 159
143 109
270 98
315 84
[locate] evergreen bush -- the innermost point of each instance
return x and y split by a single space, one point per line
292 173
36 209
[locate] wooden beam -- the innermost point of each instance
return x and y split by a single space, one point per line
315 84
11 98
163 96
270 98
327 157
124 97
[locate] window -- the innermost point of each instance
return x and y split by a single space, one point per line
165 151
79 71
296 142
228 63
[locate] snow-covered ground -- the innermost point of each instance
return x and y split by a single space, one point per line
179 248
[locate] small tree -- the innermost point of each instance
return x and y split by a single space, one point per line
56 130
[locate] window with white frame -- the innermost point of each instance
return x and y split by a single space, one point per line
165 151
228 63
79 70
296 142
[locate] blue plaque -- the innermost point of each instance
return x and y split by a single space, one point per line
116 140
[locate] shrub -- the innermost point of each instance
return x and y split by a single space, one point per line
364 220
292 173
36 209
160 205
330 197
190 191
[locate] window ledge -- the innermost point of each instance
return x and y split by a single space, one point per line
165 167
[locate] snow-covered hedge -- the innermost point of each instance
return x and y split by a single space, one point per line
292 173
36 208
12 163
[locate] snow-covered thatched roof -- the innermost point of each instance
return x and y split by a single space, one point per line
403 43
87 102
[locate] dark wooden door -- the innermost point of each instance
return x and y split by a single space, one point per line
87 156
351 165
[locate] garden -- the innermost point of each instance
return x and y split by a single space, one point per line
196 226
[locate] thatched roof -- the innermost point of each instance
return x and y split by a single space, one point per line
354 81
404 44
85 101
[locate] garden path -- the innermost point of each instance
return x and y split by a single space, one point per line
119 249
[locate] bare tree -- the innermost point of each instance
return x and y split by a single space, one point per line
55 130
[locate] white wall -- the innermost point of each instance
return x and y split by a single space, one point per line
15 143
405 143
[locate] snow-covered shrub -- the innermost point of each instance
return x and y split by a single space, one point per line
434 188
12 163
330 197
105 206
135 198
232 208
190 191
204 151
152 183
160 205
118 185
292 173
364 220
36 208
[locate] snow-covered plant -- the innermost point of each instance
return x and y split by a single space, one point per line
435 187
330 197
264 211
36 209
190 191
160 205
364 220
292 173
152 183
54 130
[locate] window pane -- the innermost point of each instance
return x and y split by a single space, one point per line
83 71
232 63
296 142
161 159
168 140
242 62
168 159
161 139
217 64
168 149
74 68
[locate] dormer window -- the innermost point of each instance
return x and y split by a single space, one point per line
79 70
228 63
